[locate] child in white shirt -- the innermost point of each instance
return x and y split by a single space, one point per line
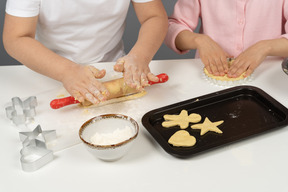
56 37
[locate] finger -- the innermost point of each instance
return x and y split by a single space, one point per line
100 74
231 72
89 97
252 67
206 65
225 65
99 90
119 66
249 71
152 77
220 67
137 81
128 79
208 69
96 93
233 67
237 69
96 72
104 92
239 72
144 80
78 96
214 69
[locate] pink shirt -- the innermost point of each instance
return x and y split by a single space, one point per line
234 24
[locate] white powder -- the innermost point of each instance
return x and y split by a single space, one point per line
115 137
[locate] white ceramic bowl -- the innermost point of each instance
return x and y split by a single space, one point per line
106 126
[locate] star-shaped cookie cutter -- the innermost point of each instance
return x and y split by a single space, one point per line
34 153
21 111
37 133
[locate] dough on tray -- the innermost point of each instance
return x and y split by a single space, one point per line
207 125
182 138
182 119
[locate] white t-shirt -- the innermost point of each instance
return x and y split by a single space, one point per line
84 31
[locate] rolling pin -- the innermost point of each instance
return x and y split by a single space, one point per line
117 88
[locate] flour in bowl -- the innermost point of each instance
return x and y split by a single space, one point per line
115 137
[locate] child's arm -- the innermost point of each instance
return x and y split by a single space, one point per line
212 55
19 41
154 23
181 37
252 57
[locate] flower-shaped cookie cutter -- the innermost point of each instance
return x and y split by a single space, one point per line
21 111
34 153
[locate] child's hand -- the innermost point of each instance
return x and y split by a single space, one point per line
136 71
212 55
81 82
248 60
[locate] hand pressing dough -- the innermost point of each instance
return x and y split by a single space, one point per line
207 125
182 119
225 77
182 138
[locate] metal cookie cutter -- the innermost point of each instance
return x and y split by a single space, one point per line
21 111
34 153
285 66
37 133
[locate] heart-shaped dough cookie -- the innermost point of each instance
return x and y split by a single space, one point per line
182 138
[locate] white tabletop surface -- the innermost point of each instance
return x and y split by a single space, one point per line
256 164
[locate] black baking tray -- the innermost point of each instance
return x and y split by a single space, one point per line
246 110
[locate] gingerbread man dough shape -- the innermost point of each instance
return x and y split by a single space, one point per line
182 119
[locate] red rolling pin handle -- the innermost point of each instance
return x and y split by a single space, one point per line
62 102
163 77
58 103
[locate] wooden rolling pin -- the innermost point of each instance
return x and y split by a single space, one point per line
117 89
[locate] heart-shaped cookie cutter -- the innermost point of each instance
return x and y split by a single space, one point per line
34 153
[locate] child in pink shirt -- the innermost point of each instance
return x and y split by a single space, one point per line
247 30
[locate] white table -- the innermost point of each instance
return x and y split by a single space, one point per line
256 164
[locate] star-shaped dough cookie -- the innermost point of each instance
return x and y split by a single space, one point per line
207 125
182 119
182 138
